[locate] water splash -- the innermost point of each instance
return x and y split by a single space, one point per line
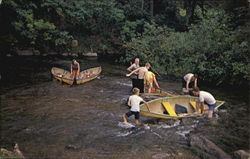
120 134
124 84
126 125
166 126
146 126
183 133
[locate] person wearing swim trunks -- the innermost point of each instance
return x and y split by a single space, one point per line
74 69
204 98
134 101
149 80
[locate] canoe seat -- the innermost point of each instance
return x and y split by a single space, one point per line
193 104
169 108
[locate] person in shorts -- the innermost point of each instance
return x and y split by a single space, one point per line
134 101
204 98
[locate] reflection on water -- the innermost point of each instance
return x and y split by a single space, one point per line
53 120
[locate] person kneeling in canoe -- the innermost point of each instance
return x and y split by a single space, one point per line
74 69
204 97
149 80
134 101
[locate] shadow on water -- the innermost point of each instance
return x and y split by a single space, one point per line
53 120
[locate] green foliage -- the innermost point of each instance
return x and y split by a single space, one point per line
216 45
209 48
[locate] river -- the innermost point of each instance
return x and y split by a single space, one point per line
53 120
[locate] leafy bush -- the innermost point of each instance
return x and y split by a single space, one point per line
210 48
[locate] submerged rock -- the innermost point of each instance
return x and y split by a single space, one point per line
71 147
242 154
207 148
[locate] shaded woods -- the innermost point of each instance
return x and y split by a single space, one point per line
176 36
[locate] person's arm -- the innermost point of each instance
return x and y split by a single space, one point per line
202 107
146 104
78 70
187 84
129 102
195 83
130 68
156 83
132 72
71 69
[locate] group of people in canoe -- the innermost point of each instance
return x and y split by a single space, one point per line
143 80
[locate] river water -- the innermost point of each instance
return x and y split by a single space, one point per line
55 121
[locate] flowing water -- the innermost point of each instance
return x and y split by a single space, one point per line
55 121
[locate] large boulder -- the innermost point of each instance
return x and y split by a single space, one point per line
206 148
65 54
24 52
242 154
52 53
74 55
90 54
36 52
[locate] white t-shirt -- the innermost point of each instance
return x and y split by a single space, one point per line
188 77
206 97
135 103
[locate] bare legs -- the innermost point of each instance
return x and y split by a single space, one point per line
210 114
125 120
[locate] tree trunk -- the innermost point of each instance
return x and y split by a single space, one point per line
152 8
142 4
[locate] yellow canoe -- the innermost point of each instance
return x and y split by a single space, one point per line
88 75
62 75
84 76
173 107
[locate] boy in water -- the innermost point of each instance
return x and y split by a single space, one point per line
134 101
207 98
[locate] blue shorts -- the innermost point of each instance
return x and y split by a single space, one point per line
211 106
137 114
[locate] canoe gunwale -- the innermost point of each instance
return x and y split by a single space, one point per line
71 80
166 116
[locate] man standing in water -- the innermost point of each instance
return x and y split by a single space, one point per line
207 98
134 77
141 71
74 69
134 101
189 81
